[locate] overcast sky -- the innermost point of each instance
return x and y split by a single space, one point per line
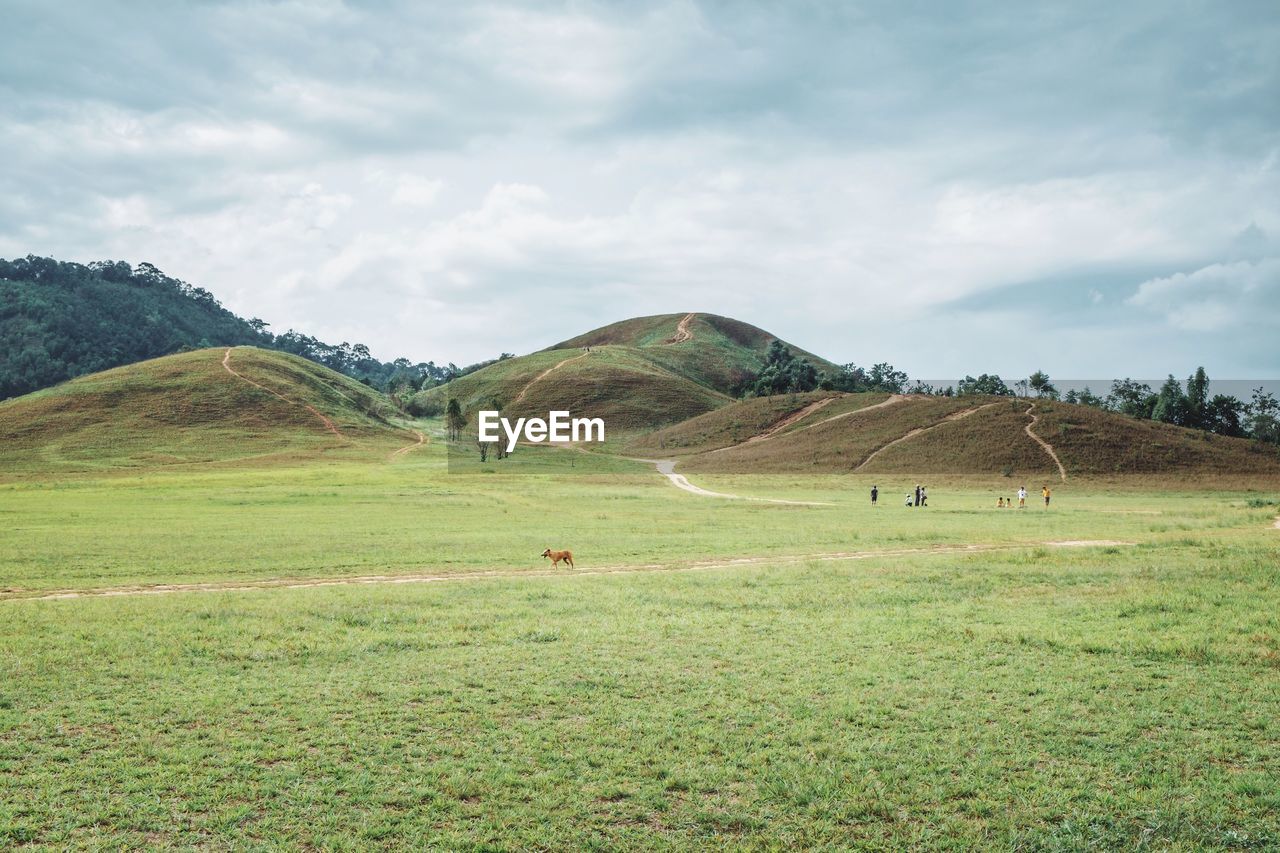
1092 188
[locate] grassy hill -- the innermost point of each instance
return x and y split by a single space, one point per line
905 434
192 408
638 374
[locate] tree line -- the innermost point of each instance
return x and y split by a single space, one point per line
59 320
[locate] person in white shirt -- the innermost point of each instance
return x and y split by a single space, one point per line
1022 497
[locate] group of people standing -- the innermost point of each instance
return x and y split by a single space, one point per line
920 497
1004 503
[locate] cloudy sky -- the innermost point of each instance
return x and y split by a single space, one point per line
1088 188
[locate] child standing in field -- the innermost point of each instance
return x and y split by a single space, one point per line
875 493
1045 491
1022 497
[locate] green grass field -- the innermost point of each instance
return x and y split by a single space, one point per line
856 680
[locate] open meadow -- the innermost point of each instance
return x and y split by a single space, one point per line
715 672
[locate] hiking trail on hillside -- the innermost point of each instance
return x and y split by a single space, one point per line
682 330
328 424
954 416
782 424
542 375
422 439
544 574
892 400
1048 448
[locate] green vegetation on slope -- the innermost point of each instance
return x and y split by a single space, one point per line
189 408
719 352
60 320
63 320
638 374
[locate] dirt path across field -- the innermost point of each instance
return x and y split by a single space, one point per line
422 439
1048 448
517 574
535 380
954 416
667 468
780 425
328 424
682 330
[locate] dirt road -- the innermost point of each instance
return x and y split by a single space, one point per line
519 574
667 468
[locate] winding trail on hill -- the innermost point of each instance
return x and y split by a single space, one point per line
1048 448
328 424
682 330
778 427
667 468
535 380
422 439
892 400
954 416
544 574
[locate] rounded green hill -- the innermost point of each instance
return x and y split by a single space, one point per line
203 406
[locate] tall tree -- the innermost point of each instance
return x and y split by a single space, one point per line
1130 397
455 420
1039 382
986 384
1171 403
1197 398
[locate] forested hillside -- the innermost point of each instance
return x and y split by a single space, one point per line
59 320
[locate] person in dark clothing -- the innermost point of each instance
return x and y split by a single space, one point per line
917 503
875 493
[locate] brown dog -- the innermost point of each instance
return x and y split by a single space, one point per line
557 556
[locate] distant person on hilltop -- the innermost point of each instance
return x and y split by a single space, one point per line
875 493
1022 497
1045 491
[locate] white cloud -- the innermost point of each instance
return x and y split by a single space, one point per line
447 181
1217 297
416 191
